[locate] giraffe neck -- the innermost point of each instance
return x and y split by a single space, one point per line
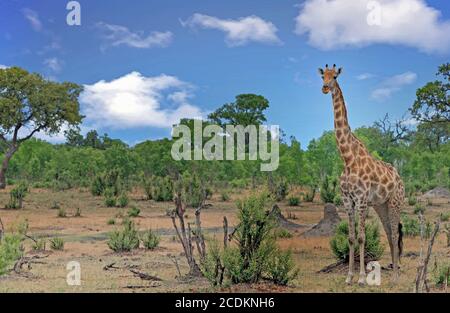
341 126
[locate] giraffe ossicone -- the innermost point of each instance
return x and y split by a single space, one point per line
365 181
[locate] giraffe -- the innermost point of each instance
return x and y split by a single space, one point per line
365 181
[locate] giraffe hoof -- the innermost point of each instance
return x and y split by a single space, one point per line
348 281
362 281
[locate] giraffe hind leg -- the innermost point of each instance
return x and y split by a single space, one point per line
383 214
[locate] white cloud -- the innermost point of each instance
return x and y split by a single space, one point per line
118 35
134 101
238 32
393 84
365 76
53 64
33 19
332 24
2 67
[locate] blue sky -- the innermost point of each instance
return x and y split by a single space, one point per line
147 63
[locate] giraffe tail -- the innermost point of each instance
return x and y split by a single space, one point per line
400 239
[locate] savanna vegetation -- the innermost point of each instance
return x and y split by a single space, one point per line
113 172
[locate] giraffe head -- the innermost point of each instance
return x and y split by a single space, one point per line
329 76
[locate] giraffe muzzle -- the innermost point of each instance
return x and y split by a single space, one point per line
325 89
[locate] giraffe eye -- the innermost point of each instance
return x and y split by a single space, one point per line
335 77
323 77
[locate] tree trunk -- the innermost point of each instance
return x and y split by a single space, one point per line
8 155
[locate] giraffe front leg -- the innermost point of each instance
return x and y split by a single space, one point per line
351 239
362 210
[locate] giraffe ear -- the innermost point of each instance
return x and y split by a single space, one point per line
320 71
339 71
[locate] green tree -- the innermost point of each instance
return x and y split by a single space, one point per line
73 137
30 104
433 100
248 109
93 140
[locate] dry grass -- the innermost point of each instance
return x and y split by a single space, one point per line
85 239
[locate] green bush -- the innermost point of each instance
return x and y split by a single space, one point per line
134 212
123 200
110 198
97 186
337 200
412 200
442 274
310 195
11 250
150 240
17 195
281 267
255 237
57 243
111 221
419 209
39 245
126 239
328 191
212 264
282 233
445 217
293 201
107 181
224 196
411 226
162 189
340 246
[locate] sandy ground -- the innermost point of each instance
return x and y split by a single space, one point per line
85 242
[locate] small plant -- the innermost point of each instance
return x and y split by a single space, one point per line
293 201
419 209
134 212
328 191
77 212
111 221
282 233
126 239
110 198
411 226
429 202
310 195
17 195
150 240
337 200
11 249
162 189
340 246
442 275
412 200
61 213
57 244
123 200
445 217
281 267
39 245
224 196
